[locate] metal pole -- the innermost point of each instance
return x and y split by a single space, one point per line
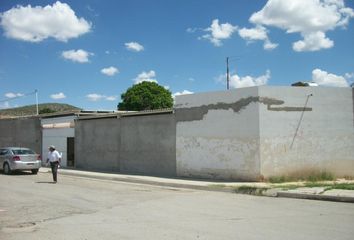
227 74
36 91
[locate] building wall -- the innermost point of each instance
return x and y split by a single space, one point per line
148 145
25 132
57 136
298 140
217 135
97 144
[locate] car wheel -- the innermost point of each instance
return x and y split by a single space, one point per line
34 171
7 169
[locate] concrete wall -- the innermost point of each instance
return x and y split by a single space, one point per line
97 144
218 135
148 145
24 132
297 139
136 144
57 136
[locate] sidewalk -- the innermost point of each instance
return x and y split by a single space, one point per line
253 188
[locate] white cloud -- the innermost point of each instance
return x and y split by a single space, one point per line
13 95
146 77
349 75
184 92
324 78
237 81
57 96
34 24
134 46
191 30
313 42
219 32
111 98
94 97
80 55
311 18
110 71
257 33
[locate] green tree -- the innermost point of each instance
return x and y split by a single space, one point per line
145 96
46 110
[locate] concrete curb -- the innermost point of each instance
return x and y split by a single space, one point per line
315 197
147 182
271 192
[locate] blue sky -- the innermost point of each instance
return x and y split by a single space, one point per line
87 53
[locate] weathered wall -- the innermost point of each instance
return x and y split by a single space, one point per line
218 135
24 132
97 144
148 145
310 130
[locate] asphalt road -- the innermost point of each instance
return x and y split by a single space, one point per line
31 207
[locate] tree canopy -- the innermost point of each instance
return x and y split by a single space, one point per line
145 96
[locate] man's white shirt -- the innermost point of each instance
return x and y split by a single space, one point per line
54 156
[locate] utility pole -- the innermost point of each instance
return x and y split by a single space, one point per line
227 74
36 91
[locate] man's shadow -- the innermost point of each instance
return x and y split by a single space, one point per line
46 182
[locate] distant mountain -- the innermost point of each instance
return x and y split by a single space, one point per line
43 108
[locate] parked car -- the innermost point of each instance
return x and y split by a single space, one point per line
18 158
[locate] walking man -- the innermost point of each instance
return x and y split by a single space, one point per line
54 159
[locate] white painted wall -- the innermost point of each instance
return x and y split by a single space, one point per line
264 138
325 137
57 137
224 144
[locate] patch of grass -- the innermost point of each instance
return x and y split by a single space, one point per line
329 186
344 186
349 177
217 185
309 177
321 176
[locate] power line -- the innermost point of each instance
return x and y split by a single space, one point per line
21 96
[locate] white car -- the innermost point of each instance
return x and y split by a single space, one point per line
18 158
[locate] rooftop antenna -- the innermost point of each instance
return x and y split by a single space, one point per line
227 74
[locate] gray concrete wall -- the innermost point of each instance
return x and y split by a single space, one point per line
218 135
24 132
148 145
97 144
310 130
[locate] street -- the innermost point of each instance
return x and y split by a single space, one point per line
31 207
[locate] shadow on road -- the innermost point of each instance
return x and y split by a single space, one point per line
17 173
47 182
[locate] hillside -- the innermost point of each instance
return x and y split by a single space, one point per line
31 109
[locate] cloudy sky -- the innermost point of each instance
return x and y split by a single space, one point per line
87 53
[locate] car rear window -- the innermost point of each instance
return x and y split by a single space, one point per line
22 151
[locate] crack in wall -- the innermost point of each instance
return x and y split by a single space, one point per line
197 113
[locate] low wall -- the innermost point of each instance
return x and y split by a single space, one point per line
21 132
97 144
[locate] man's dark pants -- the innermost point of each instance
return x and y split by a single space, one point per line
54 166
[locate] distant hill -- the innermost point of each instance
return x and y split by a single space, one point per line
31 109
